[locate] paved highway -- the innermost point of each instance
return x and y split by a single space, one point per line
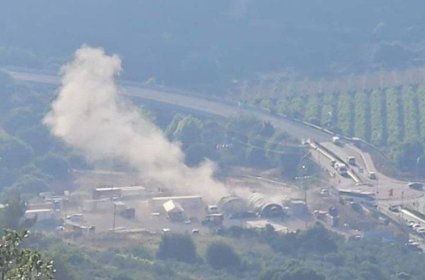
224 109
196 103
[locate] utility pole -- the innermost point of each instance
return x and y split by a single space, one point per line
402 199
377 191
113 222
318 156
417 168
302 177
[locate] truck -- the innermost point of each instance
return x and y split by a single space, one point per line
341 168
213 220
336 140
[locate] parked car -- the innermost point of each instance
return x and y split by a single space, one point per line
324 192
413 245
415 186
411 223
416 226
336 140
420 230
394 208
372 175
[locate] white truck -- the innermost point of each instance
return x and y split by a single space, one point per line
341 168
351 160
336 140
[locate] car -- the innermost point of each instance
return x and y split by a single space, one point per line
394 208
416 226
414 246
195 231
415 185
324 192
411 223
420 230
372 175
333 162
336 140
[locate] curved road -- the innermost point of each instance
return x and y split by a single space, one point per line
215 107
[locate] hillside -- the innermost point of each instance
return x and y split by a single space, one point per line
205 44
392 119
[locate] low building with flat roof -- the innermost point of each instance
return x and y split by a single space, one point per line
40 214
189 203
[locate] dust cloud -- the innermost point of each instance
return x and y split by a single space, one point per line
90 115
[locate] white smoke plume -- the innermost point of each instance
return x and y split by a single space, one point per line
91 116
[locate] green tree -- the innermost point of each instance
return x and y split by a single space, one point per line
179 247
38 137
188 131
296 272
19 118
11 215
54 165
31 184
196 153
172 126
406 156
220 255
22 264
14 153
244 125
5 92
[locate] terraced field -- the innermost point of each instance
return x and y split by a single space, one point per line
383 117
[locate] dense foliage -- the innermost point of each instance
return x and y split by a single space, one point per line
209 43
30 158
221 255
315 254
240 141
19 264
177 247
392 119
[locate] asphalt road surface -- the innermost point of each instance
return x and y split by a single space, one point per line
215 107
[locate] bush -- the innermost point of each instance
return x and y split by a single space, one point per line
220 255
178 247
292 273
54 165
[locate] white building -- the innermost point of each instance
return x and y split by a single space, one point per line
120 206
133 191
297 208
40 214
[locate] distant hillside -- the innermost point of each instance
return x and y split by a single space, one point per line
205 44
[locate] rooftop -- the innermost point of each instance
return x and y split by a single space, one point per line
177 197
35 211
